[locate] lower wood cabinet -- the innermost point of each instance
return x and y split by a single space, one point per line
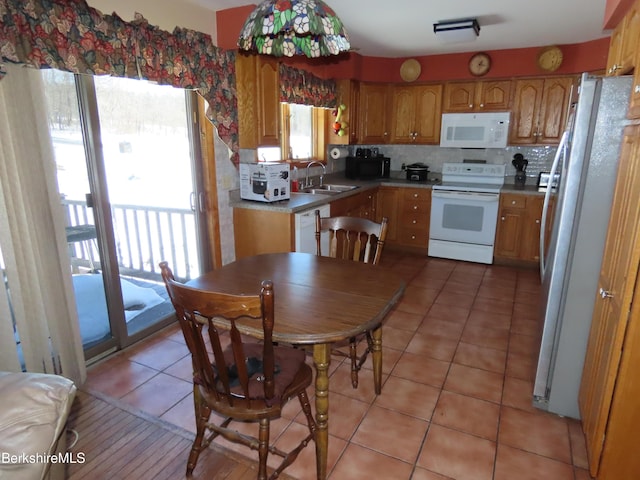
258 231
262 231
408 211
518 230
362 204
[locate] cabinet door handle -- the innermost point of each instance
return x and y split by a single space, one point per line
482 105
415 207
415 195
513 202
605 294
502 218
537 220
414 222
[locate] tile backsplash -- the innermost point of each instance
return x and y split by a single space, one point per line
540 158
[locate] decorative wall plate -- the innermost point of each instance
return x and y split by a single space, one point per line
410 70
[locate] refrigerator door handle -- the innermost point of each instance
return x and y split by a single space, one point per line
560 153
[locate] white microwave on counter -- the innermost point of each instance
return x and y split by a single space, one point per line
475 130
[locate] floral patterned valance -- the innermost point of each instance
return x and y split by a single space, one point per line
69 35
298 86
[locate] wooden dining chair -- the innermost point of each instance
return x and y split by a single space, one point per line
358 239
240 377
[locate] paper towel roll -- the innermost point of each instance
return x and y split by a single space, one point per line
337 153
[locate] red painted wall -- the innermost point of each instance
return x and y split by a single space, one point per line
583 57
614 11
229 23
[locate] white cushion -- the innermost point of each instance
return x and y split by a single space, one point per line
33 412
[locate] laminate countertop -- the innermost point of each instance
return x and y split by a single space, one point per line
300 202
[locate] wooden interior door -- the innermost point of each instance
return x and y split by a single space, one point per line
620 457
613 304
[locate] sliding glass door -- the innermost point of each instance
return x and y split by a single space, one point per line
126 172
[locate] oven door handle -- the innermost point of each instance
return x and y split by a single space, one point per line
475 196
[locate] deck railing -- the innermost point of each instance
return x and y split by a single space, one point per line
144 236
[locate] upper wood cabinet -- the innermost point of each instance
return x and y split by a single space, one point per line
349 95
624 43
633 19
634 104
257 84
373 113
415 114
540 108
481 96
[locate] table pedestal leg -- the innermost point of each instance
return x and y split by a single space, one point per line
321 359
376 354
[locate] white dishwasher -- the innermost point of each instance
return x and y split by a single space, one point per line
306 230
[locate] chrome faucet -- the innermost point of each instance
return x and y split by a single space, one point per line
307 183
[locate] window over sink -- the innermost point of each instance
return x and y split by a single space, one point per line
302 135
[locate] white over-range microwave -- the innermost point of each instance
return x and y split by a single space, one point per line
475 130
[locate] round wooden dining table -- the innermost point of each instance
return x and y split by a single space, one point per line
318 301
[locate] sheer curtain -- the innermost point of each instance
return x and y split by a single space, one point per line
32 239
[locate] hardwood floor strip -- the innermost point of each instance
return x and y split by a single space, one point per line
109 424
117 450
129 450
165 449
120 442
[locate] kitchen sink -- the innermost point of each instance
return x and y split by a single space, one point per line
329 189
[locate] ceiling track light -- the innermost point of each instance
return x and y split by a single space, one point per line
457 31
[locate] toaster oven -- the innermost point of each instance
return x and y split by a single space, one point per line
545 180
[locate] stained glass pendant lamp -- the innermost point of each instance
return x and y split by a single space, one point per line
294 27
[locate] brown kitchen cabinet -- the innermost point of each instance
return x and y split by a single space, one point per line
348 95
518 230
416 114
540 108
388 198
373 113
361 204
414 212
259 231
609 389
408 210
634 104
258 91
623 43
480 96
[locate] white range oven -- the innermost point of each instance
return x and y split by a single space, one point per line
464 212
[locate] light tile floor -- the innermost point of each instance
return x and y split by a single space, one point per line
460 355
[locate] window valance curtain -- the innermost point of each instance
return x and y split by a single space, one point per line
299 86
69 35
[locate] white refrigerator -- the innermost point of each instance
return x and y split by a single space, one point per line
587 161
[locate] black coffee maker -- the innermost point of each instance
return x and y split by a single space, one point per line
520 163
